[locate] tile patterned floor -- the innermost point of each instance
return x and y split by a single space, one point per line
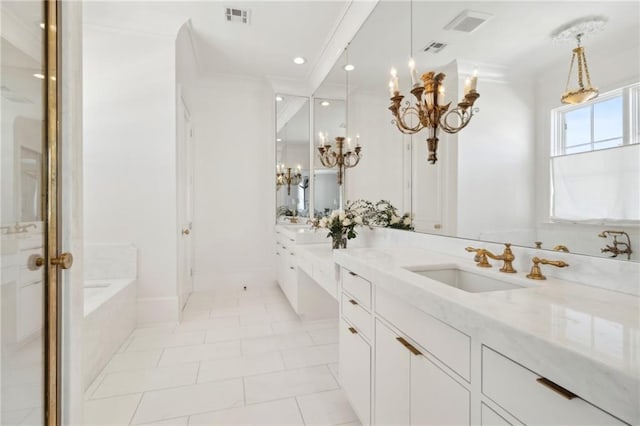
238 358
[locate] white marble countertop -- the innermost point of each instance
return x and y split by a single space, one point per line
584 338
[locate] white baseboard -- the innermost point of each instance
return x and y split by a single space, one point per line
157 309
251 278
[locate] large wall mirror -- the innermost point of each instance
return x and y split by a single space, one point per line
329 122
527 169
292 178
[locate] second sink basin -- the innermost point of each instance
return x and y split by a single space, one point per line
467 281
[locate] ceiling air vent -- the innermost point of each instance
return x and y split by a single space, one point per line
241 16
435 47
468 21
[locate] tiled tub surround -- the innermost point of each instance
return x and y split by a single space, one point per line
238 358
109 304
583 338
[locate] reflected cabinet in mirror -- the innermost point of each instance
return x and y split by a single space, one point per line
542 163
292 158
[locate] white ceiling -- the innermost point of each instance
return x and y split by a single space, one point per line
517 37
278 32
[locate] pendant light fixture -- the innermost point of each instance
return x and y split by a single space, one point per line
582 90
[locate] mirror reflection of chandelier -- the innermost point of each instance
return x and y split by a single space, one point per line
576 31
285 176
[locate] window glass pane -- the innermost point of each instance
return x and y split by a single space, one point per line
607 119
578 149
608 144
578 127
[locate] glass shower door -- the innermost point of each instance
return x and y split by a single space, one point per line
23 228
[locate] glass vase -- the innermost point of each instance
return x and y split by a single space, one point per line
339 241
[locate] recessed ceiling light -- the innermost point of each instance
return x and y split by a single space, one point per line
42 25
279 98
349 67
299 60
40 76
278 140
325 103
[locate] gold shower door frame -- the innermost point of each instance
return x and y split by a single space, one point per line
51 204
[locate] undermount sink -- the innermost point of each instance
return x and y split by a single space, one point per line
467 281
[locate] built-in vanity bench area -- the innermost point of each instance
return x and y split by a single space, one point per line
499 349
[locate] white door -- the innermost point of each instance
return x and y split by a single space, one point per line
185 204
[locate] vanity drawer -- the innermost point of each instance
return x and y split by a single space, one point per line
357 287
356 315
305 264
452 347
518 390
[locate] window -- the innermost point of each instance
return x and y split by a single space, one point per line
595 172
609 121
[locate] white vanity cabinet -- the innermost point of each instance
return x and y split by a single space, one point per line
355 370
410 389
400 365
532 399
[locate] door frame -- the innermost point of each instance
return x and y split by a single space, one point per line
185 192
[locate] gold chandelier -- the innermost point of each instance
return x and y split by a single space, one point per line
577 30
284 176
341 157
582 93
431 110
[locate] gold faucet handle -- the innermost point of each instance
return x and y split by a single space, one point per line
480 257
536 274
508 258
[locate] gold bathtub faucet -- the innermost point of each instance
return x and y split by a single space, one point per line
481 257
536 274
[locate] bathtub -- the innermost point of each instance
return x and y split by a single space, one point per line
109 318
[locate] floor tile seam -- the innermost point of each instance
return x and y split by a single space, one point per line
167 347
155 421
149 391
148 369
304 422
160 358
252 375
133 415
97 386
293 396
230 408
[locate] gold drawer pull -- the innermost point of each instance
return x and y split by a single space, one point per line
277 254
556 388
409 346
292 254
353 302
353 274
353 330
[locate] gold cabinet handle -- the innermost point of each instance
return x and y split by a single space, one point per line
409 346
353 274
556 388
353 330
64 261
277 254
353 302
292 254
186 231
291 267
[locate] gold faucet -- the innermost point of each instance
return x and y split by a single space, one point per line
536 274
507 257
614 249
561 247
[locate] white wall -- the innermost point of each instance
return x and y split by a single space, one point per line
234 183
130 158
609 69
